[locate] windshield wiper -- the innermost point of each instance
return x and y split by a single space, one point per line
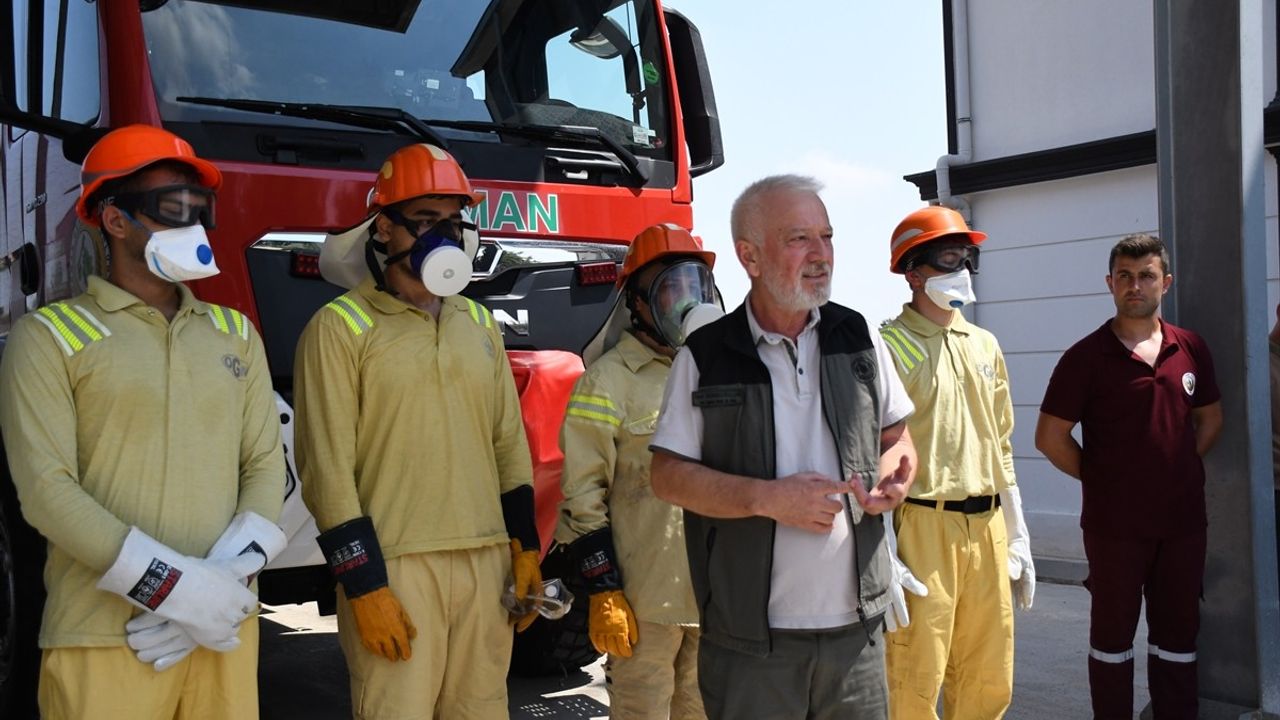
372 117
554 132
392 118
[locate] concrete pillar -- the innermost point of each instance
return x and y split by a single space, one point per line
1209 101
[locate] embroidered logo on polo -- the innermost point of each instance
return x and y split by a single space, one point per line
156 584
1189 383
348 557
864 369
237 367
986 370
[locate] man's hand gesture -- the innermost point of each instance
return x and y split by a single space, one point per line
887 494
803 500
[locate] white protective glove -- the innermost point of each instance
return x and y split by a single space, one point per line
896 616
163 643
1022 571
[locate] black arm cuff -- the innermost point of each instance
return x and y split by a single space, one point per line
354 556
517 514
595 558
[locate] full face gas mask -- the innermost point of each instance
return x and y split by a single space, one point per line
441 254
681 299
182 252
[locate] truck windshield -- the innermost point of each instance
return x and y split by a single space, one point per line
588 63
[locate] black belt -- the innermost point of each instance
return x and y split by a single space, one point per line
969 506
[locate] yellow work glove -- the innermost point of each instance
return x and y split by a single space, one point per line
528 580
612 623
384 626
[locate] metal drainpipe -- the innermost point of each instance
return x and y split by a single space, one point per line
964 127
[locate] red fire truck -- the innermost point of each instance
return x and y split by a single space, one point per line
582 121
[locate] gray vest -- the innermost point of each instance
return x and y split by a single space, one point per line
731 559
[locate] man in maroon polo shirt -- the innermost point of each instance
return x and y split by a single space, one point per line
1145 396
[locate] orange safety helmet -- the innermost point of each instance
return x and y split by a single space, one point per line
417 170
657 241
923 225
127 150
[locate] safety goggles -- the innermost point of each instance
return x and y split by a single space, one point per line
171 205
947 257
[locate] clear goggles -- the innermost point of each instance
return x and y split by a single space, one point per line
947 257
674 292
171 205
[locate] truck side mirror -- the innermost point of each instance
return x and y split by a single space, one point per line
697 98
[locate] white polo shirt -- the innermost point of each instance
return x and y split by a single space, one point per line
813 585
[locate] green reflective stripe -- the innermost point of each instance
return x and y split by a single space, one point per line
96 323
62 329
218 319
479 313
593 415
351 313
908 342
66 319
242 328
598 400
903 358
346 317
594 407
74 317
57 335
357 312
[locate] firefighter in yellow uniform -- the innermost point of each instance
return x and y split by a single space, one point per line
413 455
962 549
629 545
143 439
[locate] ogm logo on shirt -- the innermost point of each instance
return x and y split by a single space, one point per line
237 367
986 370
1189 383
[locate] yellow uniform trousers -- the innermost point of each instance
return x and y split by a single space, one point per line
961 635
459 666
660 679
110 683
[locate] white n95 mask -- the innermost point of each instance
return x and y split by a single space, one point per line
180 254
950 291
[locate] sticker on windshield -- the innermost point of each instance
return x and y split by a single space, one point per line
640 135
651 76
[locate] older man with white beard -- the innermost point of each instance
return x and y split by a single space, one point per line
783 436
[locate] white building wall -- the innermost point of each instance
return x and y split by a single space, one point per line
1046 73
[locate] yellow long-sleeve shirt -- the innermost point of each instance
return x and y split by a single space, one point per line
413 422
963 424
611 417
114 417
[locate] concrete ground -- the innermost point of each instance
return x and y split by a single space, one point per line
302 674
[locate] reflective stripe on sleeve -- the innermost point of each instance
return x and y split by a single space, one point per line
479 313
351 313
903 358
217 318
1111 658
596 408
73 331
